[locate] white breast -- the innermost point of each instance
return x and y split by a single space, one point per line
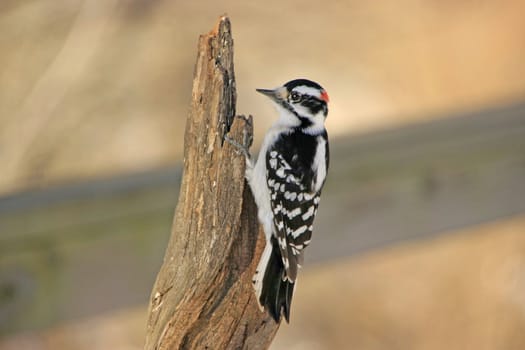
258 185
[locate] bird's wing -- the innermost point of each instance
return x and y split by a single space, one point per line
294 209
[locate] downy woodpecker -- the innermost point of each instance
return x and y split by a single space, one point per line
286 182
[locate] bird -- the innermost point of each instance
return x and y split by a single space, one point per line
286 182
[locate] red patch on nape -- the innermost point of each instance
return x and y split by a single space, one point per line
324 96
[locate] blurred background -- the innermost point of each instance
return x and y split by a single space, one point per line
420 241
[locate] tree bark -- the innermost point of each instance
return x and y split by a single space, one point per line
203 297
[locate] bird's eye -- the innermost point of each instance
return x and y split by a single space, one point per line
295 96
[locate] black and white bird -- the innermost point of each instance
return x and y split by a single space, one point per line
286 182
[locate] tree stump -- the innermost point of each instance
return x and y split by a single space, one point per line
203 297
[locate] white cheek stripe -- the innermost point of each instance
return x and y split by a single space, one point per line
308 91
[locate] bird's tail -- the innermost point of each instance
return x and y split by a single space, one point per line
274 291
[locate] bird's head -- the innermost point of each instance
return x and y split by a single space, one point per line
301 103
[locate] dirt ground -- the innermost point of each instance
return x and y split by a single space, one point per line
460 290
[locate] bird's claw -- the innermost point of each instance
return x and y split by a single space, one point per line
240 148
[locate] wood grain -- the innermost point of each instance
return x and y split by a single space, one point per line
203 297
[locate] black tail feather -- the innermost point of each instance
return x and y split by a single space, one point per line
276 295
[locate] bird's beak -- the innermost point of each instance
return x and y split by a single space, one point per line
275 95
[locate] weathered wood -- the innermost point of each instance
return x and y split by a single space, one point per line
203 296
82 249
